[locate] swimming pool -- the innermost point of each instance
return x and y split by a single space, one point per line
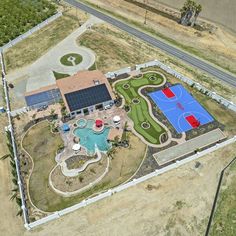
88 138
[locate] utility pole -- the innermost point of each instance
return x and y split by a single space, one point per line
146 11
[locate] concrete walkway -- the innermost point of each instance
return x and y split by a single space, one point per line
41 71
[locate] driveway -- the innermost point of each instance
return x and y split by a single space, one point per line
40 73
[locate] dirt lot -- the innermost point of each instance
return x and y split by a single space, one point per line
176 203
224 217
206 45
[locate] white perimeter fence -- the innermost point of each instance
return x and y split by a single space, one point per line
10 128
230 105
31 31
55 215
110 192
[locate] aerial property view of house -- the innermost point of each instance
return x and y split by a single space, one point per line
93 108
102 131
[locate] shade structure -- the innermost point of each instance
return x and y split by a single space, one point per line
76 147
116 118
99 123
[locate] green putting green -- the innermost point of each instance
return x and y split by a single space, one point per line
139 111
71 59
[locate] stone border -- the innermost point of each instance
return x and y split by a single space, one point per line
142 125
135 103
128 86
150 78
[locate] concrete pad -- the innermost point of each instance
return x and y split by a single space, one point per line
189 146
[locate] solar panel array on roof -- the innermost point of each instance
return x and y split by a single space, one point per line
43 97
87 97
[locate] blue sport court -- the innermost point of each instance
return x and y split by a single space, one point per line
180 108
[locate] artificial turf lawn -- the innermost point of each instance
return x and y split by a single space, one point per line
139 112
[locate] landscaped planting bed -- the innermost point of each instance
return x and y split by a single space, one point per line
71 59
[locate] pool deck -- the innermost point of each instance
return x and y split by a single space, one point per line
105 115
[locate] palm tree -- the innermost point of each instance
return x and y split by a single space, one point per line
116 141
111 152
14 196
5 157
20 212
14 181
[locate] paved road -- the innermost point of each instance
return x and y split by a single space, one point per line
230 79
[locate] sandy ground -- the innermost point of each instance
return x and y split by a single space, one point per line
222 12
176 203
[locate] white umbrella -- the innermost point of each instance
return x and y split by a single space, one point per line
76 147
116 118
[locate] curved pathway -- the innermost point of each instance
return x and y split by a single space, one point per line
69 194
40 73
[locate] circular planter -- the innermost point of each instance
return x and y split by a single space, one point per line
152 78
71 59
145 125
135 101
126 86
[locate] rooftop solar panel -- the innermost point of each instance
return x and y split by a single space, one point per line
45 96
87 97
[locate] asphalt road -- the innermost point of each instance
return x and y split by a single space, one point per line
219 74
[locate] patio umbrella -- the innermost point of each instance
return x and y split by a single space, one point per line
116 119
76 147
98 123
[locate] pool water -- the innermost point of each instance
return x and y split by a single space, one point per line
88 138
81 123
